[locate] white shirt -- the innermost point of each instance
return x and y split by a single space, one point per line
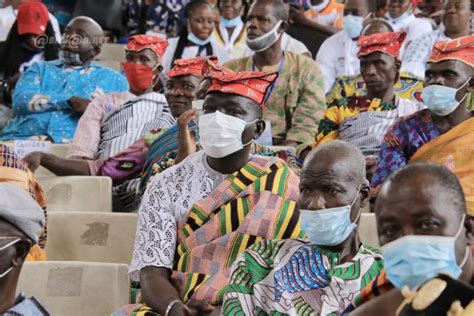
166 202
416 55
8 17
188 52
414 27
337 57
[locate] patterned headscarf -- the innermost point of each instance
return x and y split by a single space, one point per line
461 49
387 43
139 42
191 66
249 84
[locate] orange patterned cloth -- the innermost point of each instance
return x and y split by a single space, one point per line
461 49
156 44
249 84
191 66
388 43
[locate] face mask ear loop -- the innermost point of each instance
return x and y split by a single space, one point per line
6 272
353 202
10 244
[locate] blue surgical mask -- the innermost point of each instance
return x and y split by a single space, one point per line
3 274
196 40
399 19
329 227
232 22
352 25
441 100
414 259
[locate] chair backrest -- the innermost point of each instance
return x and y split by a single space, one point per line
76 288
77 193
97 237
286 148
112 51
368 230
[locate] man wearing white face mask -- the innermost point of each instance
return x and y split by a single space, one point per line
296 100
337 56
400 14
308 277
197 216
442 133
424 231
21 222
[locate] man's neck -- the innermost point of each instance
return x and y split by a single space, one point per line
231 163
269 57
348 249
461 114
7 293
386 96
466 31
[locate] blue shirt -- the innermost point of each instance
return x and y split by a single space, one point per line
40 98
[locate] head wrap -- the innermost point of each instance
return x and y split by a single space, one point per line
32 18
249 84
461 49
19 209
13 170
191 66
387 43
139 42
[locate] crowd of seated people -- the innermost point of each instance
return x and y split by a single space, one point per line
248 160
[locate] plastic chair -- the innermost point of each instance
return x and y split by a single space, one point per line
368 230
97 237
76 288
77 193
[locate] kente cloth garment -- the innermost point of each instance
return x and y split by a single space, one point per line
293 277
297 101
164 17
85 144
13 170
137 117
138 43
378 286
387 43
26 307
40 98
362 122
407 87
337 57
196 221
416 55
415 138
331 15
461 49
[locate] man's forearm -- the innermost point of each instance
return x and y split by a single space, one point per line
65 167
157 290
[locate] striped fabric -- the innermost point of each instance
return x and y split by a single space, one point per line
258 202
136 118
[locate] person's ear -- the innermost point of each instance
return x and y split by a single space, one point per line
260 127
469 225
364 194
97 51
284 26
22 249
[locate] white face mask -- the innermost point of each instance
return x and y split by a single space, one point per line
265 41
2 275
221 134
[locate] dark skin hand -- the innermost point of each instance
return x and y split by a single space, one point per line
454 74
297 16
78 105
186 138
157 289
325 183
58 166
418 205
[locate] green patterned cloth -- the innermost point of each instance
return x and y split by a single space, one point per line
293 277
297 101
